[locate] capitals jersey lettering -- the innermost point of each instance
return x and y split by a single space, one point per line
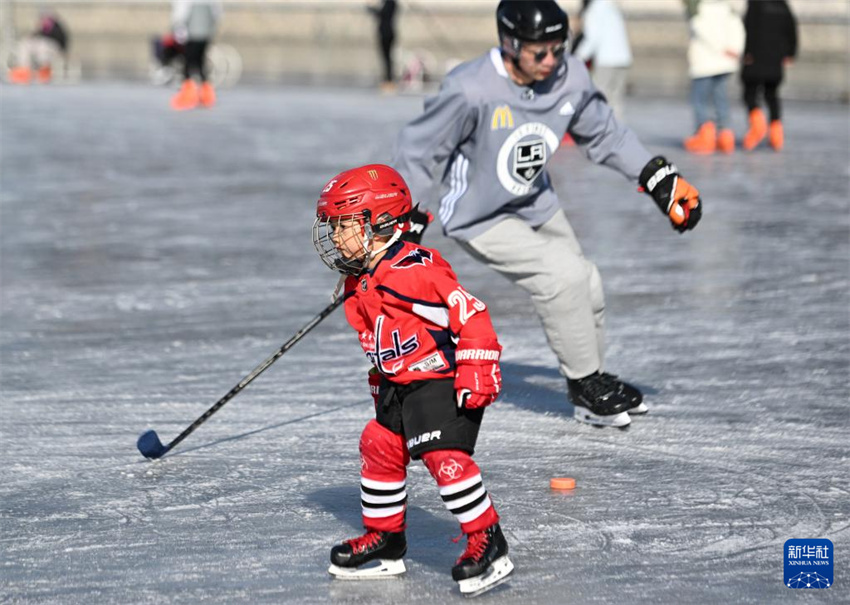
410 312
496 137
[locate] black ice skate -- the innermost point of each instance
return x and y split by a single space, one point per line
484 564
599 400
376 554
632 393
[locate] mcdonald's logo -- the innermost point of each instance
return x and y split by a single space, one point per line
502 118
373 174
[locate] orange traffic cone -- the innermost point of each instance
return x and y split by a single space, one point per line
758 128
776 135
20 75
726 141
207 95
704 141
186 97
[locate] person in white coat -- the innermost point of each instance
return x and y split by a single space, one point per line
605 43
714 53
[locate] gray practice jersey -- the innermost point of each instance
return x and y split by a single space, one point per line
497 137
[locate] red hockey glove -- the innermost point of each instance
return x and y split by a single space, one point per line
478 379
675 196
375 384
417 221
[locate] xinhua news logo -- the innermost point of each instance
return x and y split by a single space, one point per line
809 563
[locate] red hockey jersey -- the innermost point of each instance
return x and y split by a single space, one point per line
411 312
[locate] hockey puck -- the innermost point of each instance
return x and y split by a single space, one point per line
562 483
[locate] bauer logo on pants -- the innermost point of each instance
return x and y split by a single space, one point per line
809 563
423 438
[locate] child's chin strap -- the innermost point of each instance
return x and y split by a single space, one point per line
368 259
396 235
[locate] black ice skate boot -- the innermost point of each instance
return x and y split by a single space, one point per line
599 400
484 564
375 554
631 392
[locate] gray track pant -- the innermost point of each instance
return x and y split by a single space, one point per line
565 287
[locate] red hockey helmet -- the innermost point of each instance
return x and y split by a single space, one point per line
361 203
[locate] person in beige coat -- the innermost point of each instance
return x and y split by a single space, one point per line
714 52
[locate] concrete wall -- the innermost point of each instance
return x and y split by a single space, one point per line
332 42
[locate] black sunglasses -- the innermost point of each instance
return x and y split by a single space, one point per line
557 52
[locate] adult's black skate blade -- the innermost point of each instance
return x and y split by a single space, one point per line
150 446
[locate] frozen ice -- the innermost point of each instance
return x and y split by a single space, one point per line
151 259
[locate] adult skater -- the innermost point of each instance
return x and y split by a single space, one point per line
605 46
385 15
771 46
714 54
496 121
45 47
437 361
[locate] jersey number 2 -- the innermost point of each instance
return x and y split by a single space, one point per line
461 298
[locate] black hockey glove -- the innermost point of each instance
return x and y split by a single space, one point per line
418 221
675 196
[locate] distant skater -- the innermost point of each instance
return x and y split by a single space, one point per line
194 23
605 45
771 46
714 54
386 17
41 50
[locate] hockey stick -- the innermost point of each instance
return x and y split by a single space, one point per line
149 444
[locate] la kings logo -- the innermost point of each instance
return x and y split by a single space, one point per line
397 348
524 155
529 159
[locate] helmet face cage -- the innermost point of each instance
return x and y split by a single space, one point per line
354 208
356 237
351 255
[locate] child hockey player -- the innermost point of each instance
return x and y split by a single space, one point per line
437 362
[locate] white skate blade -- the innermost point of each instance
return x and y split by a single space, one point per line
617 420
497 573
373 570
639 409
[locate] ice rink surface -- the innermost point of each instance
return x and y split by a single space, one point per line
150 260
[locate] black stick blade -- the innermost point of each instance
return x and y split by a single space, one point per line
150 446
